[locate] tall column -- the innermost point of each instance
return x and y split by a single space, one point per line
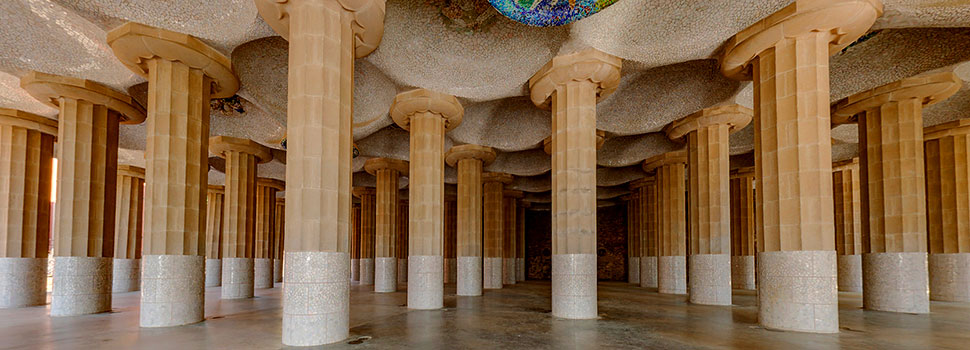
265 232
469 159
509 241
493 219
428 115
324 37
388 172
26 162
649 211
215 204
183 74
402 241
87 155
707 132
846 196
894 268
671 220
947 148
355 243
126 274
279 239
786 54
634 222
368 218
239 212
520 240
571 85
743 229
450 237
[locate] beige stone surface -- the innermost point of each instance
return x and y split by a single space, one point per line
846 195
368 220
388 172
355 225
26 162
670 171
265 233
510 210
279 229
215 206
494 213
947 154
742 212
130 208
402 231
366 19
239 230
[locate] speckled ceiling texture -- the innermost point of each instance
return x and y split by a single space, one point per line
669 71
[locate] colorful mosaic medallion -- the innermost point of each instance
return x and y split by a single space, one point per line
548 13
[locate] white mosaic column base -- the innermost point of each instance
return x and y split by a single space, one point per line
648 271
574 286
82 285
277 270
126 275
213 272
237 278
742 272
797 291
709 276
451 270
508 270
492 273
262 273
355 270
950 277
173 290
367 271
672 274
519 269
850 273
895 282
425 282
633 269
402 270
316 298
385 275
23 282
469 276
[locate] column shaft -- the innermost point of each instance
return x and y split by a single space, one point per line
947 150
743 231
634 224
368 218
509 212
385 268
402 241
710 213
493 218
426 182
469 221
215 204
848 226
649 213
126 274
450 236
238 232
355 223
520 242
672 229
279 239
265 239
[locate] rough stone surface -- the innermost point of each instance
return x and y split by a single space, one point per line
850 273
797 291
23 282
896 282
950 277
520 269
425 282
82 285
262 273
277 270
385 275
492 273
173 290
237 278
355 270
366 271
316 298
709 276
470 268
648 271
574 286
508 271
451 270
742 272
633 270
672 274
126 275
213 272
402 270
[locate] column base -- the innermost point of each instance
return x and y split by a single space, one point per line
492 273
895 282
316 298
508 271
451 270
672 274
633 270
519 269
425 286
367 271
797 291
174 290
262 273
574 286
648 271
469 276
82 285
355 270
709 276
850 273
402 270
125 275
742 272
213 272
277 270
237 278
23 282
385 275
950 277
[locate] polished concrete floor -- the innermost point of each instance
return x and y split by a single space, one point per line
517 317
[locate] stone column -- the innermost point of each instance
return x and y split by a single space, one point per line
671 220
571 85
279 239
786 54
633 224
265 232
520 241
509 241
388 171
846 196
469 159
649 211
428 115
493 220
239 225
355 243
947 148
126 274
215 204
450 237
402 241
87 156
368 218
26 162
743 229
707 132
183 75
894 268
324 39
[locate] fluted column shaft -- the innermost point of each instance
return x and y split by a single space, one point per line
426 224
947 152
469 221
402 241
239 226
450 237
279 239
265 233
846 196
649 212
493 219
386 230
633 232
215 205
368 218
509 241
672 228
520 242
743 230
355 242
126 275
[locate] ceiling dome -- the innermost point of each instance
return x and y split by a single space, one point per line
548 13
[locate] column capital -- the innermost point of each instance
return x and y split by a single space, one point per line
929 88
219 145
845 164
512 194
843 20
374 164
217 189
600 139
497 177
360 192
591 65
408 103
278 185
736 117
28 121
460 152
135 44
660 160
48 88
953 128
131 170
368 22
747 171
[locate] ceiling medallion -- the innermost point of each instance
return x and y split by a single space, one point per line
548 13
465 16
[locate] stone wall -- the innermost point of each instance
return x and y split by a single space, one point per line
610 242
